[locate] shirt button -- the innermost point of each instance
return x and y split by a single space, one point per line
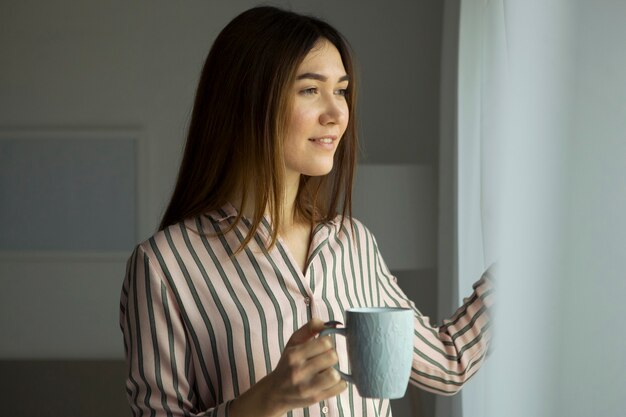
325 410
307 301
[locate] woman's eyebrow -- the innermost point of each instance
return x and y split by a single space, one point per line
319 77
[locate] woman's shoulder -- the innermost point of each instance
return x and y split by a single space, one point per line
350 225
165 244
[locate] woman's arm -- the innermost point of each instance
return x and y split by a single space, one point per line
446 356
160 380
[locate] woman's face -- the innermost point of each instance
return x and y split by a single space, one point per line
319 113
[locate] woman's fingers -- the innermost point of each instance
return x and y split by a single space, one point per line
300 354
326 379
326 384
319 386
306 332
321 362
318 374
335 390
305 373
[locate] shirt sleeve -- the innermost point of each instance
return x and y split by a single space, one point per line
446 356
159 380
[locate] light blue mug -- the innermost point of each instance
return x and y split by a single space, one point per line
379 341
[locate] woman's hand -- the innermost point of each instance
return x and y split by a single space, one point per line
305 373
304 376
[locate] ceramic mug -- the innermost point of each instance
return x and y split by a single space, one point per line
379 341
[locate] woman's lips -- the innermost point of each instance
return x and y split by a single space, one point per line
326 142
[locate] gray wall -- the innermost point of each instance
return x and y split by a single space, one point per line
70 66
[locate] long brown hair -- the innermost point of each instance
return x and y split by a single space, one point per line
241 108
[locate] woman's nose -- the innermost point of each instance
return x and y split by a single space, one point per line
335 111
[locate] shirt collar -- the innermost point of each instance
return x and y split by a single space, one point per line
228 210
225 212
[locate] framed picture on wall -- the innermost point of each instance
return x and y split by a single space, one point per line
70 191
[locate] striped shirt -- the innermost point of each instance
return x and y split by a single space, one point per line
201 327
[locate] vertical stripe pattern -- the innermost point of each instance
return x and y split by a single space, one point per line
200 326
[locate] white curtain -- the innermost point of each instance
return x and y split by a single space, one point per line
541 162
509 192
476 91
473 98
507 160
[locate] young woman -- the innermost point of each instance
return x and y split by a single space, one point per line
220 308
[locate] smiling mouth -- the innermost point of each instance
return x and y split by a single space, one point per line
324 139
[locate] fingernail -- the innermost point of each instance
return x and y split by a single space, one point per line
333 323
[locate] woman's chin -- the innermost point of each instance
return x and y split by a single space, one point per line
312 168
319 171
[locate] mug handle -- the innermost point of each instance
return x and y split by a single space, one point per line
341 332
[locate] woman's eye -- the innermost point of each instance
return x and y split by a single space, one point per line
342 92
308 91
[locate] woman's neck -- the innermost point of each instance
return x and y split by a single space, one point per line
289 217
